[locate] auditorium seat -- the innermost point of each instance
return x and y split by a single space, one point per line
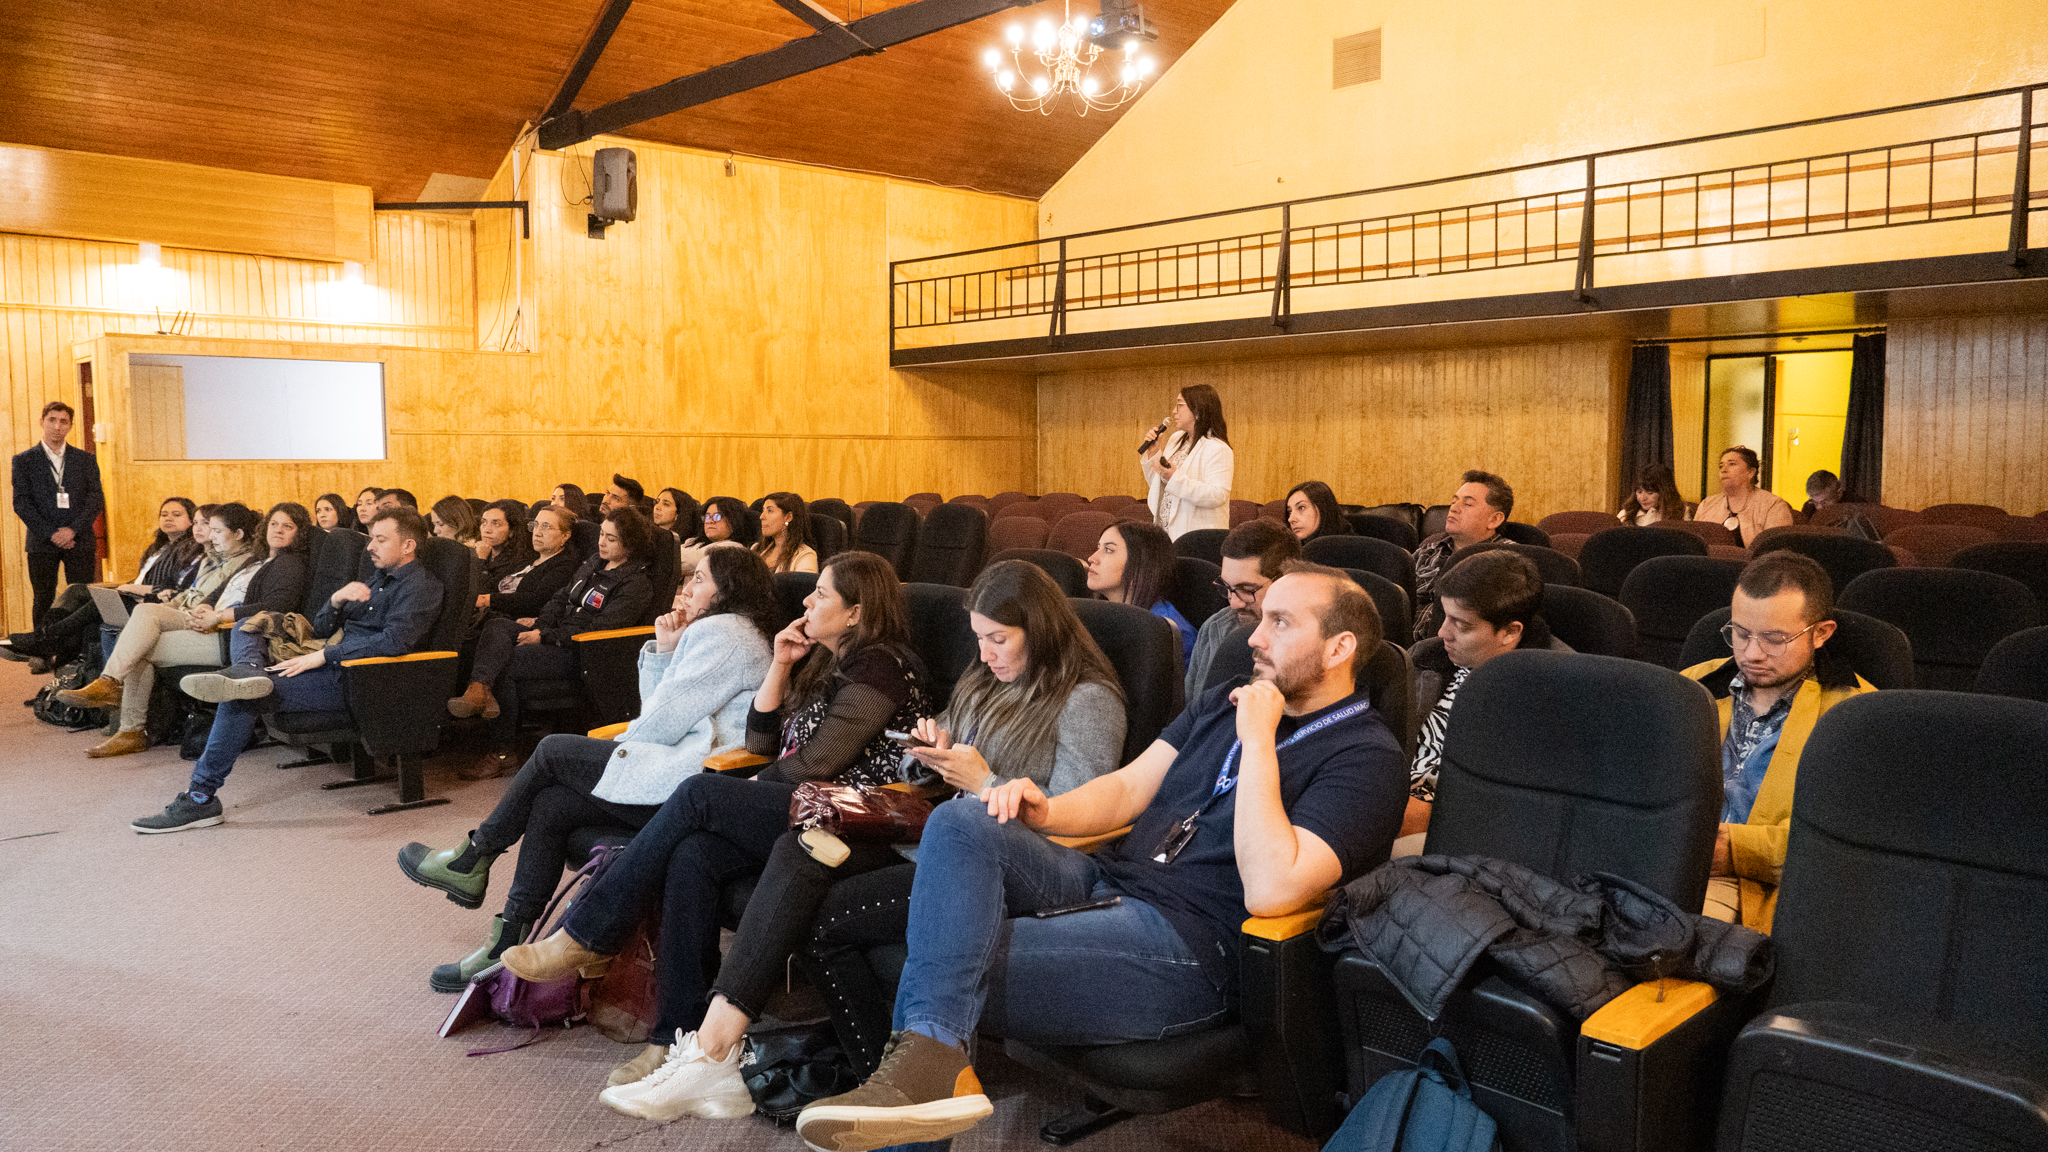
2023 528
980 502
1195 594
1397 611
941 636
1002 500
791 590
932 498
837 509
1111 504
1141 648
950 546
1274 510
1875 650
1399 532
1017 531
1730 552
1406 513
1554 566
1202 544
1935 543
1133 513
828 536
1056 506
2024 561
889 530
1589 622
1881 517
1070 574
1667 595
1569 543
1374 555
1953 616
1709 534
1522 533
2017 666
1607 557
1843 556
860 509
1983 516
1243 510
1077 533
1025 508
1433 520
1586 522
1910 1003
583 538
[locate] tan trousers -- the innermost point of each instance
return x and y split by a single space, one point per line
155 637
1724 899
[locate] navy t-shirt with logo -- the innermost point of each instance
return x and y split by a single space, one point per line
1347 783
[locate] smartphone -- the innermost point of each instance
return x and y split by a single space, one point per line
1089 906
907 739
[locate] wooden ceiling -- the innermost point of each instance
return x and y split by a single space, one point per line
385 93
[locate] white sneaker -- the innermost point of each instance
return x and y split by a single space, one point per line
689 1083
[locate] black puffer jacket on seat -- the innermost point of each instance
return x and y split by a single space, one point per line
1427 919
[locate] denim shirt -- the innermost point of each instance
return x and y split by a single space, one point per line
402 605
1747 750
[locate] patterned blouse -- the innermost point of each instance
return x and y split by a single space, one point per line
838 737
1429 745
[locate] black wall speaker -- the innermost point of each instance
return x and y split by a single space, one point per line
614 185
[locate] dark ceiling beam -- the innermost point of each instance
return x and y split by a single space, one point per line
828 25
867 35
593 47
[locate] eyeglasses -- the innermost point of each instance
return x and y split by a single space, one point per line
1244 592
1772 643
710 516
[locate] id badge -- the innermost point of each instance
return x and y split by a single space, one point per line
63 500
1176 840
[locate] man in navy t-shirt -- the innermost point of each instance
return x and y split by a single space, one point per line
1257 798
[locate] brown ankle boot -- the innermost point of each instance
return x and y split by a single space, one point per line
490 766
119 744
471 702
104 692
551 959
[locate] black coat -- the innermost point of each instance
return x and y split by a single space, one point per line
35 497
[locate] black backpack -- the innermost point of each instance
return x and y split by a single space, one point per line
76 674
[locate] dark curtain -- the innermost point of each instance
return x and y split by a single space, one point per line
1646 424
1863 439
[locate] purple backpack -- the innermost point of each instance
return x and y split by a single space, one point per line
525 1004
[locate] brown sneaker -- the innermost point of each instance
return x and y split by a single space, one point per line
490 766
925 1089
471 703
551 959
639 1067
119 744
104 692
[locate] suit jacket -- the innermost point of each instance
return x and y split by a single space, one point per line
35 497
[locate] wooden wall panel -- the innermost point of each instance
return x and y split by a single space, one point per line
1966 412
1377 428
156 417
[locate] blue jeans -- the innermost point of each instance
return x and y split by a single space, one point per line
235 720
980 961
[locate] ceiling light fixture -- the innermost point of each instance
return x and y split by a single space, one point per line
1067 52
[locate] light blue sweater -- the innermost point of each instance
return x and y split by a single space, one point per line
693 704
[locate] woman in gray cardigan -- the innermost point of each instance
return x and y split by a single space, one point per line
697 677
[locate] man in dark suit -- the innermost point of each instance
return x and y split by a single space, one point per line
57 495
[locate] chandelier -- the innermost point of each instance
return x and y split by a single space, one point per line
1067 52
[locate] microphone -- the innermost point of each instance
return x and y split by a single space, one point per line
1153 437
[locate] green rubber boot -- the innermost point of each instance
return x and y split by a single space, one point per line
435 869
455 977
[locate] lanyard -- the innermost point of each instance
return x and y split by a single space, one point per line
56 464
1226 780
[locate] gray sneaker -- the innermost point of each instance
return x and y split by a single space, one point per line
235 682
182 814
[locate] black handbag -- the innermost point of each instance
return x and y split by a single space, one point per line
787 1069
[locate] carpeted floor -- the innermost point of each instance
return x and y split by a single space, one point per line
262 985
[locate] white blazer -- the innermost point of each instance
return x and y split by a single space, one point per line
1198 496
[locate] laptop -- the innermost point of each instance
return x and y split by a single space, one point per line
113 605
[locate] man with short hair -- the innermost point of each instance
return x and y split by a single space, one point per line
625 492
57 495
1478 508
391 498
386 616
1824 488
1770 694
1253 555
1257 798
1493 604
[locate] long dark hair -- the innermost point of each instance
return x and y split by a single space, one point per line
865 581
745 529
795 534
236 516
1208 409
344 512
1655 478
1148 562
634 532
1018 723
689 517
456 513
519 540
302 521
745 589
574 500
1329 517
182 548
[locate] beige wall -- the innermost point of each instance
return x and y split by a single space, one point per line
1966 412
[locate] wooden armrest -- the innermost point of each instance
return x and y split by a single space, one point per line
928 791
613 633
1637 1018
1090 843
737 758
408 658
609 731
1289 926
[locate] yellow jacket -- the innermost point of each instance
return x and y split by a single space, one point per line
1758 847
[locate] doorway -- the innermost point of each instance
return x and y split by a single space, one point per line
1791 407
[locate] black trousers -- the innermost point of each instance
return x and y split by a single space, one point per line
546 800
777 923
80 566
858 914
502 662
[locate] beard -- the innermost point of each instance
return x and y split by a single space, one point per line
1295 678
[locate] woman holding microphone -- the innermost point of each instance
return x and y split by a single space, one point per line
1189 471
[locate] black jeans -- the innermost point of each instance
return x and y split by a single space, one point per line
711 831
859 914
502 662
777 923
547 799
79 564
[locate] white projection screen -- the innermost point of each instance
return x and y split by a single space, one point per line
251 408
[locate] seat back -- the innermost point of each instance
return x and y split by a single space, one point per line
450 563
2018 666
664 572
835 508
1873 649
1409 514
1952 616
1056 505
1203 544
1017 531
941 636
1608 556
340 556
1274 510
1141 648
1243 510
1002 500
1398 532
1067 572
1077 533
889 530
1843 556
1140 514
1524 533
1586 522
583 538
2023 560
1924 893
1709 534
1588 621
1194 593
1113 504
1667 595
1027 507
1885 520
791 590
1397 612
1572 764
950 545
1969 515
1433 520
1935 544
1373 555
828 536
1569 543
1555 567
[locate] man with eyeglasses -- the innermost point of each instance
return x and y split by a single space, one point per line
1253 555
1770 694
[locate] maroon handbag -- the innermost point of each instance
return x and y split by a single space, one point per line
854 813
